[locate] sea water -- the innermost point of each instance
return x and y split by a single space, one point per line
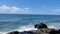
25 22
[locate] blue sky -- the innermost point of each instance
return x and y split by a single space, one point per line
49 7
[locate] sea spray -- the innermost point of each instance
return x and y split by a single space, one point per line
22 28
25 28
54 25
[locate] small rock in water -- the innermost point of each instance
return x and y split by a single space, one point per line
41 25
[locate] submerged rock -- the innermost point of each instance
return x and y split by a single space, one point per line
41 25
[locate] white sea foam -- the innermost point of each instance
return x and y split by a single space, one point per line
54 25
26 28
3 32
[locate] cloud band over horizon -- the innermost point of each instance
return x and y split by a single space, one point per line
4 9
13 10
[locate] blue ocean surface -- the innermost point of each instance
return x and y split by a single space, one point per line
25 22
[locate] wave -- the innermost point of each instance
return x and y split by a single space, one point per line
54 25
26 28
22 28
31 27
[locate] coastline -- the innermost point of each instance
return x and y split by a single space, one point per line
41 29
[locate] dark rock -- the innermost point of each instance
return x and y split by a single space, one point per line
44 31
24 32
41 25
39 31
55 32
58 31
28 32
14 32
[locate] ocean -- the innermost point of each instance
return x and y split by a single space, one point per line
25 22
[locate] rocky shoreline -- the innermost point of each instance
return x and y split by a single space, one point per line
41 29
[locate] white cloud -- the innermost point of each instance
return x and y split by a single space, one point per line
56 9
7 9
4 7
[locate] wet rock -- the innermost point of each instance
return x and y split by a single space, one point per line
14 32
24 32
39 31
43 31
41 25
28 32
58 31
55 32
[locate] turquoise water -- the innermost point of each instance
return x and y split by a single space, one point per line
22 22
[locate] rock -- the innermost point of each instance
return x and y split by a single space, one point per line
44 31
24 32
28 32
58 31
14 32
41 25
39 31
55 32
